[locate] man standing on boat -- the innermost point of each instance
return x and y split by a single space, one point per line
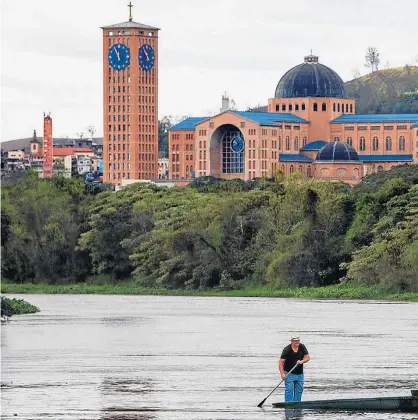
294 354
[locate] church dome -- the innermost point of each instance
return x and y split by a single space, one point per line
310 79
337 151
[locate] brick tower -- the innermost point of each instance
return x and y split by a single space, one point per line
48 147
130 101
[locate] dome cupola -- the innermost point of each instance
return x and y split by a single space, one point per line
310 79
337 151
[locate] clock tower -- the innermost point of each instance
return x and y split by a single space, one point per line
130 101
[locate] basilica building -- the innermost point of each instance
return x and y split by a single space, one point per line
311 127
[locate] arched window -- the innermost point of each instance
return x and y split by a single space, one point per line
177 147
283 169
191 168
336 139
338 107
380 168
187 169
351 108
303 107
287 143
350 141
388 143
362 144
191 148
283 107
402 144
292 169
280 143
304 141
333 106
233 152
277 107
342 108
346 107
309 172
315 106
296 142
375 144
300 169
187 157
356 173
296 107
290 107
324 106
187 147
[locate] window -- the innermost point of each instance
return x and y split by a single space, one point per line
315 107
338 108
401 143
287 143
296 142
342 108
341 171
351 108
309 171
303 107
232 162
324 106
375 144
336 139
333 106
350 141
290 107
277 108
292 169
304 141
283 107
297 107
380 168
362 144
388 143
346 107
187 147
280 143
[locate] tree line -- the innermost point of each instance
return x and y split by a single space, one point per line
214 233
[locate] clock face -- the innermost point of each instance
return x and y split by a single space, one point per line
146 57
119 56
237 144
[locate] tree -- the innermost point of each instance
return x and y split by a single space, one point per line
372 58
91 130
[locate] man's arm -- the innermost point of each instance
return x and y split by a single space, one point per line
305 359
281 368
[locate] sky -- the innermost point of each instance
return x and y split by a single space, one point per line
51 52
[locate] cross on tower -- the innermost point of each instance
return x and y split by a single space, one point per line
130 5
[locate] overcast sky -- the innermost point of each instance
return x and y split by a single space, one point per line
52 52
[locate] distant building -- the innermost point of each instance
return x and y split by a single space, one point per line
163 165
311 128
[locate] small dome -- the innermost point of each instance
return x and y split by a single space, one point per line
337 151
310 79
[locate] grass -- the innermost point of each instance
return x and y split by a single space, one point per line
342 292
10 307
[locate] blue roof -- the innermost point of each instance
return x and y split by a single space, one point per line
385 158
188 123
293 158
375 118
270 118
415 125
315 145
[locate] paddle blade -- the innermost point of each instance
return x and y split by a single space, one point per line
262 402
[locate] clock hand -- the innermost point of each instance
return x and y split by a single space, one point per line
146 54
116 51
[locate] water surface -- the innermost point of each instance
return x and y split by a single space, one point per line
203 358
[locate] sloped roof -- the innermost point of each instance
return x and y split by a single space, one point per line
293 158
269 118
130 24
385 158
65 151
188 123
315 145
375 118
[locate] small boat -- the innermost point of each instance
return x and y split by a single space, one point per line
406 404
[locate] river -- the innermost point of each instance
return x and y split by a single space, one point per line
200 358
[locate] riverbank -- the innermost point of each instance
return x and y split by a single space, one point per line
343 292
10 307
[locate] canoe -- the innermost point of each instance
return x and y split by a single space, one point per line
406 404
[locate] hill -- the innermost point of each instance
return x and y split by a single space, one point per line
389 91
24 143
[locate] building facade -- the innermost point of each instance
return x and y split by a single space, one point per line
130 89
311 127
48 147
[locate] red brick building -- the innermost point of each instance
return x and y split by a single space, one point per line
311 127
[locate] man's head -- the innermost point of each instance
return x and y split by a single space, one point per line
295 340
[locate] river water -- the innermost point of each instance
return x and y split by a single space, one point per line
166 358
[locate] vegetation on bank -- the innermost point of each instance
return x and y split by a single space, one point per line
339 291
10 307
277 234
